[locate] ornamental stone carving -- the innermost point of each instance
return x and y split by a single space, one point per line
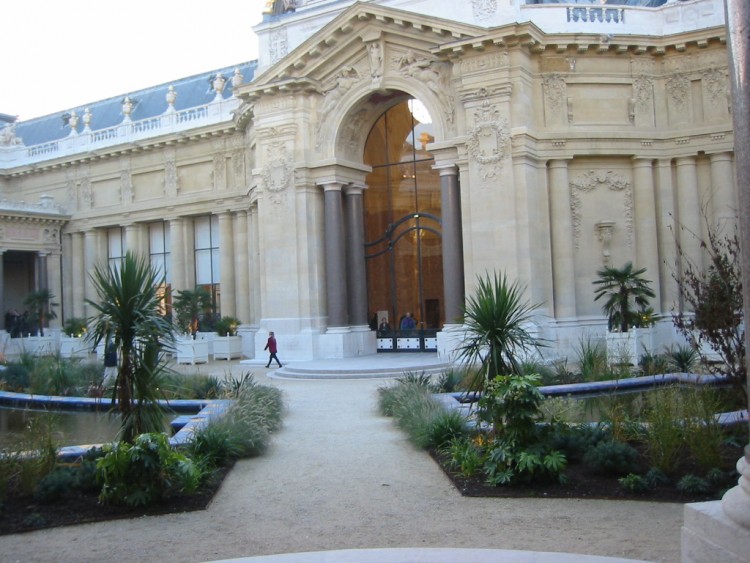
643 92
87 193
592 180
678 88
341 83
484 9
171 186
715 83
554 91
483 63
375 56
278 173
278 46
487 143
433 74
126 186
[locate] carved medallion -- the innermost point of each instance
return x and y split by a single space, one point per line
487 142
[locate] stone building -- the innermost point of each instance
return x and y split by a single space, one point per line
380 156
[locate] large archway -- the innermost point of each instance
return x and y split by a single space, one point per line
402 222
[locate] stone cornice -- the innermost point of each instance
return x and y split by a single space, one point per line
531 38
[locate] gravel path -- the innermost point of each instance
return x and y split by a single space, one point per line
339 476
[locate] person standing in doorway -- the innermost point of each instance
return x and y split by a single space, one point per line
271 347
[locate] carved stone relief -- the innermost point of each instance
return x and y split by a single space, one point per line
219 172
716 85
678 88
554 91
171 181
433 74
590 181
484 9
375 56
485 62
86 191
278 46
278 173
487 142
341 83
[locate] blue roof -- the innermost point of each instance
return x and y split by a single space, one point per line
192 91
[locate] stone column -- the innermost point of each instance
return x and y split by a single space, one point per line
241 268
177 253
41 271
253 266
226 265
2 285
54 284
90 261
723 195
563 249
453 245
667 231
356 270
335 250
736 502
646 254
133 239
689 210
78 273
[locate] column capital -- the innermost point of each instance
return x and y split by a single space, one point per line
446 168
562 162
331 185
355 189
642 160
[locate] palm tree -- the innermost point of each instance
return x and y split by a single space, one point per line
128 316
495 320
627 295
40 305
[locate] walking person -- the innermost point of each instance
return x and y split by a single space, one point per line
271 347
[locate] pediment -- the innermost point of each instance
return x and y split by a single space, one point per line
353 42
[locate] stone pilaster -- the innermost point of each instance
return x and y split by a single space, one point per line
177 253
226 265
241 266
563 248
689 210
78 273
723 194
646 252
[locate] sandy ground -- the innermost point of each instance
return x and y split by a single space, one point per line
340 476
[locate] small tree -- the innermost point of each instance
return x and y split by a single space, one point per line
714 295
495 318
189 306
627 295
39 304
227 326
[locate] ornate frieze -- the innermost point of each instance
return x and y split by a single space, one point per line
595 179
487 142
554 91
482 63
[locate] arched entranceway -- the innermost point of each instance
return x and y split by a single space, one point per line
403 232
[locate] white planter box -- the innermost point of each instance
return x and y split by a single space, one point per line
73 347
227 347
38 345
208 337
627 347
191 351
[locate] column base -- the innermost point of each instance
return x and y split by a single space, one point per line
709 535
338 343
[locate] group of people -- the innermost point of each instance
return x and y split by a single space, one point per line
407 322
16 324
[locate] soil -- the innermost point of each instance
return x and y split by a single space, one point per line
581 483
24 513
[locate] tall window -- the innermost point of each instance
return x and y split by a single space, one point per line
115 247
402 219
207 270
160 258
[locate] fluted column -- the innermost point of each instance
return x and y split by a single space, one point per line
355 257
453 245
689 210
226 265
177 253
78 273
724 198
241 270
563 250
646 251
335 250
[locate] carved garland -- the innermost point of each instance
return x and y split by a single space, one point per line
588 182
487 142
278 174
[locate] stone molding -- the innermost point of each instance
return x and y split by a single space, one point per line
590 181
487 142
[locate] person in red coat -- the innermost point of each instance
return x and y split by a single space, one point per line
271 347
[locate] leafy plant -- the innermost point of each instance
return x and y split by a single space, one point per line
511 403
694 485
714 296
227 326
466 456
592 359
189 307
497 338
634 483
40 304
612 458
682 358
626 293
128 315
75 327
145 471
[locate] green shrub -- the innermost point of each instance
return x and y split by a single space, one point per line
465 456
450 381
655 477
682 358
507 465
575 441
692 484
227 326
511 403
653 364
634 483
75 327
592 359
55 485
145 471
15 377
612 458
